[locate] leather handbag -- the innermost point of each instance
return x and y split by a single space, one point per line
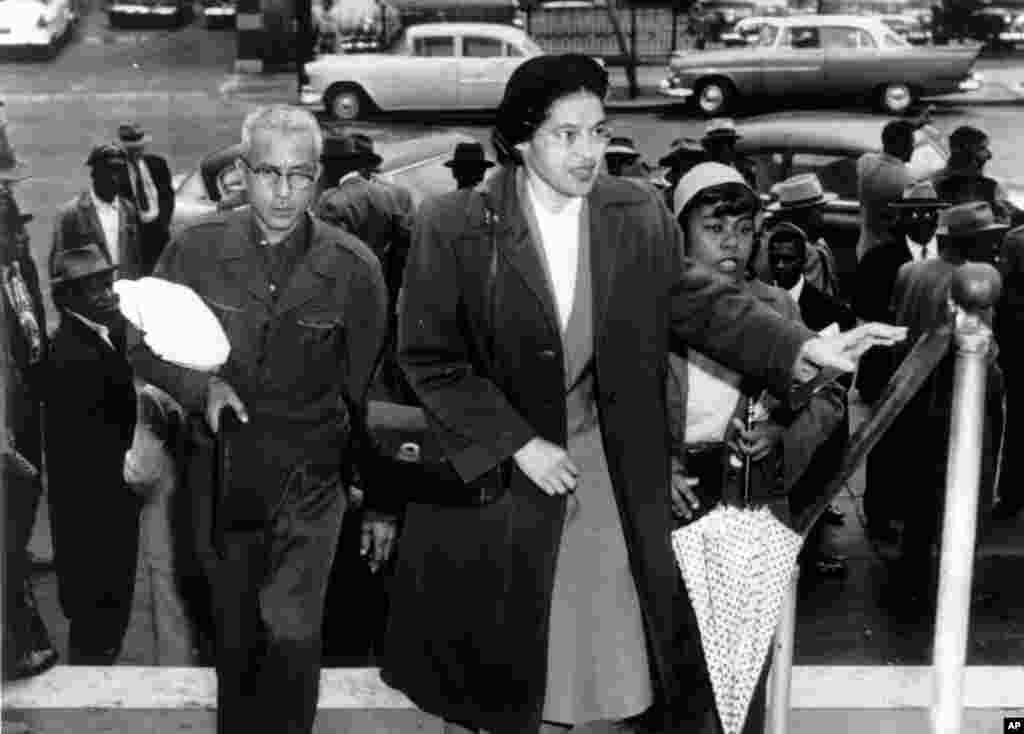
434 481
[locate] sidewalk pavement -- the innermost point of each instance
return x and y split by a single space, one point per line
1002 84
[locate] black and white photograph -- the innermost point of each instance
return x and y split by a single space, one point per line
512 366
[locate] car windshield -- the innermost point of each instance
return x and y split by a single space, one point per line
767 35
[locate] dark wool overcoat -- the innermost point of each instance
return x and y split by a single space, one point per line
479 341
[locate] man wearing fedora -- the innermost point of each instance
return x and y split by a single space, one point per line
800 200
914 240
683 154
623 159
881 179
27 649
101 216
149 188
719 143
468 165
90 422
966 233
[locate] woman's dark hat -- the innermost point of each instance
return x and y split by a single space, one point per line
132 134
921 195
77 263
469 155
11 169
537 83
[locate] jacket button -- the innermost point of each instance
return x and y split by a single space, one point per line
610 397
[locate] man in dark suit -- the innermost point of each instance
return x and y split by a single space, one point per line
27 649
916 215
967 233
101 216
150 189
787 254
90 420
468 165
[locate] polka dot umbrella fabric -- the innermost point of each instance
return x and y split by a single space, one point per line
737 565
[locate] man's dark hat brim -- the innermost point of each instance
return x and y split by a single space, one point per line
991 229
58 280
466 163
920 204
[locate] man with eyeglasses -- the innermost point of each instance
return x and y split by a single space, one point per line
303 306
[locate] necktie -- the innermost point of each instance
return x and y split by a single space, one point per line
924 252
140 188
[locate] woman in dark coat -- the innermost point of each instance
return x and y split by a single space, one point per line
534 327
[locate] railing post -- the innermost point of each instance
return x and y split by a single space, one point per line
782 661
975 289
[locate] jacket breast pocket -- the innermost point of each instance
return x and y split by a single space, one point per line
321 346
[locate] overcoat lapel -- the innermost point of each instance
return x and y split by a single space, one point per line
604 234
512 235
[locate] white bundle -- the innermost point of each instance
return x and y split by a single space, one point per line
175 322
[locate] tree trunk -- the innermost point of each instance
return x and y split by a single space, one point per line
627 53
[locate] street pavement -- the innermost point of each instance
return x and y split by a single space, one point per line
179 84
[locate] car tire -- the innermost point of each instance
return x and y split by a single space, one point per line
346 102
714 97
895 98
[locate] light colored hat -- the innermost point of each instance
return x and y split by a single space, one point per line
968 220
176 323
799 191
621 146
721 127
921 195
704 176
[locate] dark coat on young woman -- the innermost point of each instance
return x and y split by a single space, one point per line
468 636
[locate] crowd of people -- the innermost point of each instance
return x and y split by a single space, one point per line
600 357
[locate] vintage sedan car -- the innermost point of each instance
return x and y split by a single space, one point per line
828 144
822 55
131 12
414 162
430 66
35 25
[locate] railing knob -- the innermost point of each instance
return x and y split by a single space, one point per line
976 287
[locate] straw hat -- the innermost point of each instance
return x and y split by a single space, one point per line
798 192
968 221
921 195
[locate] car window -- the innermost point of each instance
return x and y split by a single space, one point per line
802 37
434 46
838 37
511 50
480 48
837 172
767 36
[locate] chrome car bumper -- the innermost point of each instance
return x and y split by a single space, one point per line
127 9
668 88
972 83
219 12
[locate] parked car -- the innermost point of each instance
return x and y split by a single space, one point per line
433 66
219 12
129 12
35 25
822 55
828 144
414 162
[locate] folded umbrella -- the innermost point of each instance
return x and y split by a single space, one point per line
737 564
175 322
